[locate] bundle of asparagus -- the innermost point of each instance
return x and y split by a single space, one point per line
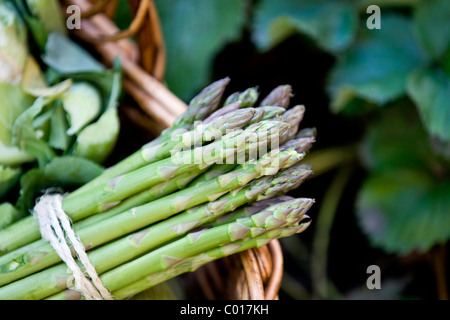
209 186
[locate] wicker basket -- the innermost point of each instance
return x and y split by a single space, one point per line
251 275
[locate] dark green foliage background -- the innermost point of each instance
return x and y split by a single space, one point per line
379 96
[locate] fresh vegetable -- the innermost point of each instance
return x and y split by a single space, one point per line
211 185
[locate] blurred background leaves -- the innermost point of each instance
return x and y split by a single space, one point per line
380 99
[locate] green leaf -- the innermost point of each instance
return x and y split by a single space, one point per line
13 156
8 214
332 24
431 19
83 104
404 210
8 178
58 138
26 138
107 82
430 90
403 204
12 103
64 173
69 171
377 66
13 44
397 140
65 56
33 81
43 9
35 26
194 32
97 140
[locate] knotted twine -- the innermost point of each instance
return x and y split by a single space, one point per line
55 227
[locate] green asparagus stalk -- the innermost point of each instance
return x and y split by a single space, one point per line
158 191
301 144
155 192
144 215
235 101
200 107
91 201
247 98
193 263
278 216
131 246
134 218
293 116
81 205
280 97
262 114
152 152
248 210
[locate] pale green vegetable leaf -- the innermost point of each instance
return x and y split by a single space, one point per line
13 44
97 140
43 9
331 24
12 103
65 56
13 156
83 104
71 171
33 81
430 90
107 82
58 138
27 138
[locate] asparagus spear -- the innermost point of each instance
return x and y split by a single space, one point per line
262 114
152 152
280 96
247 98
278 216
131 246
293 116
235 101
302 142
248 210
193 263
155 192
144 215
201 106
86 203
